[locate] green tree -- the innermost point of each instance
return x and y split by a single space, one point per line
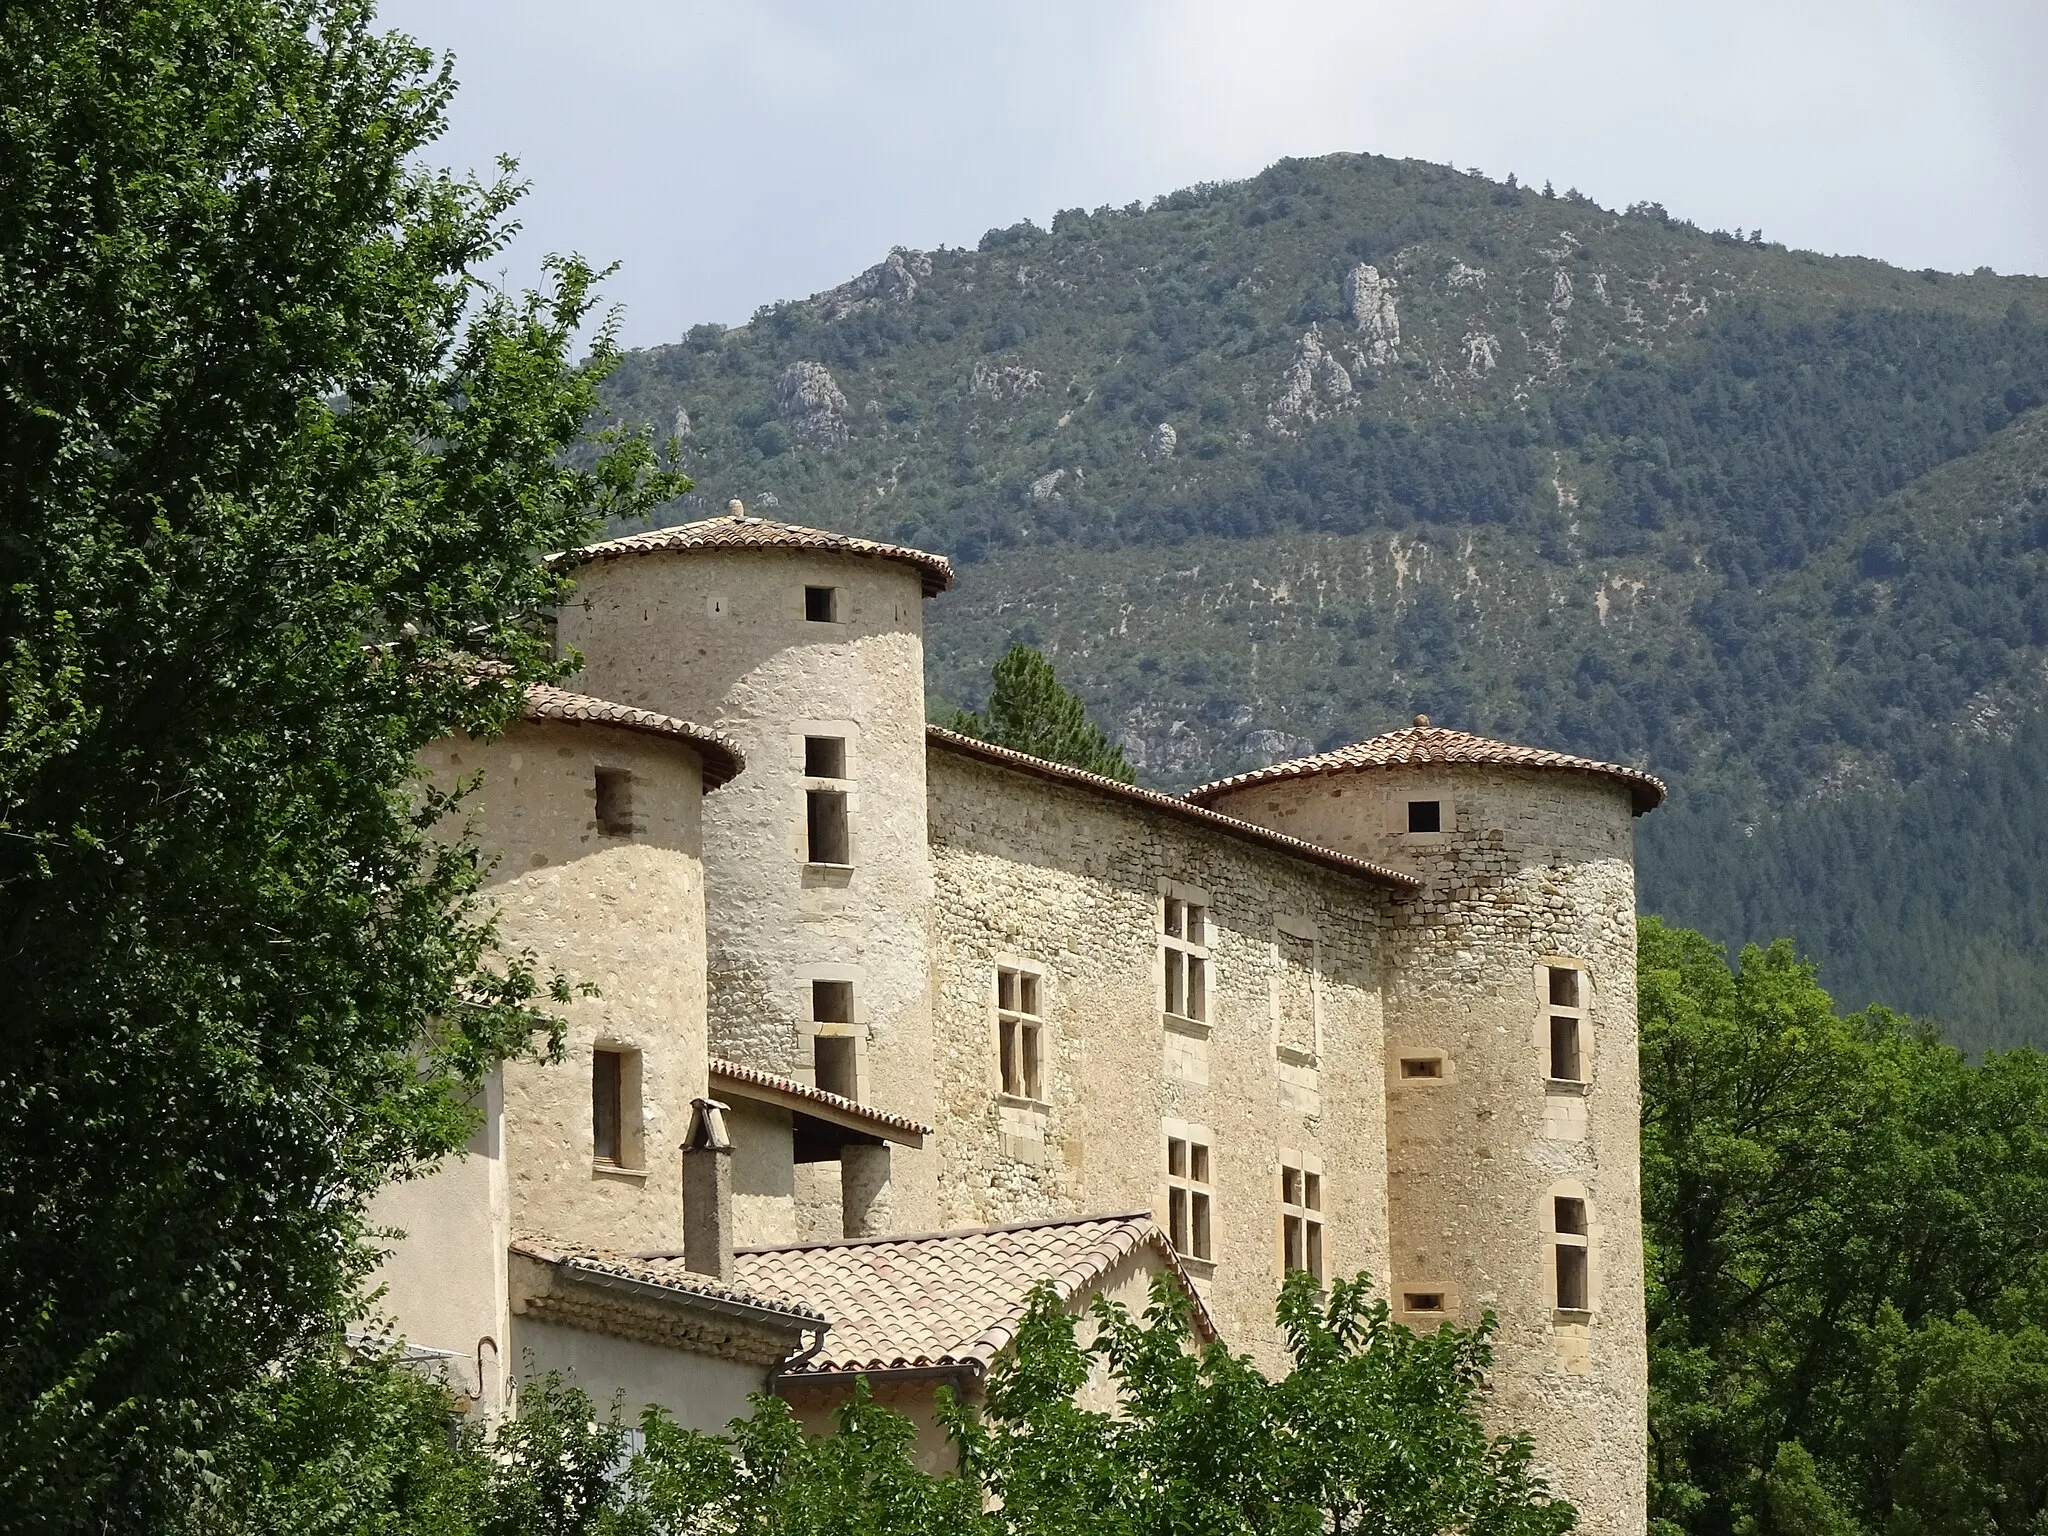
274 468
1827 1200
1029 711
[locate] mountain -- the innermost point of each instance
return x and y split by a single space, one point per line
1273 465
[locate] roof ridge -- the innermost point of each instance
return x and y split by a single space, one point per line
1038 1224
745 531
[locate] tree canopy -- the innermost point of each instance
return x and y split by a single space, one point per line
275 468
1029 711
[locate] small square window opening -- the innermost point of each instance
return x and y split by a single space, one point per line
1422 1066
614 802
1425 816
1422 1301
1564 986
832 1002
821 604
1571 1216
824 757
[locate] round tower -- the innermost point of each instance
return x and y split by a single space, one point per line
806 648
1513 1101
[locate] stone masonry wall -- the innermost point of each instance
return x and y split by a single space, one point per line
1068 880
720 637
1532 868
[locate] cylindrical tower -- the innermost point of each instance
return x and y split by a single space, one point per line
807 649
1513 1098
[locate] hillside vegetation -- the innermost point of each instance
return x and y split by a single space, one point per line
1269 466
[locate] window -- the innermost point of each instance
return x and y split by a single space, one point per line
607 1104
835 1065
1301 1219
1564 996
1422 1067
821 604
1187 1196
1422 1301
1185 941
1296 954
1573 1290
1019 1025
824 757
614 802
832 1002
825 811
1425 816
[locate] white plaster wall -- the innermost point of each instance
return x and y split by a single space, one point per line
719 637
701 1392
1068 879
1532 865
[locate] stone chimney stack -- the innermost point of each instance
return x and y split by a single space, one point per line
707 1193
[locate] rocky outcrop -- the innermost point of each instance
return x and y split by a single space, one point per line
1314 387
811 404
1161 441
1462 276
1004 381
1369 301
893 280
1269 747
1482 354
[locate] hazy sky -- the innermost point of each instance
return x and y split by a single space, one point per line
731 155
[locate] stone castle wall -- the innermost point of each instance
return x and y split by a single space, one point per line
1069 880
720 637
1531 869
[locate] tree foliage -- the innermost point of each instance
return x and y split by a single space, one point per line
1374 1430
1029 711
274 466
1848 1278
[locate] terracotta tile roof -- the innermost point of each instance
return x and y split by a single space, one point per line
1183 810
946 1299
1424 743
842 1109
722 759
748 532
666 1276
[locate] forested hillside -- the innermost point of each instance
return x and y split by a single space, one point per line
1269 466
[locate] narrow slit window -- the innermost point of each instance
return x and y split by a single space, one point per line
1301 1219
1425 816
835 1065
1564 1048
1188 1197
607 1124
824 757
1422 1301
1422 1066
826 813
614 802
821 605
1184 956
1020 1033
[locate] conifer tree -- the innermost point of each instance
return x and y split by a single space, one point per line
1029 711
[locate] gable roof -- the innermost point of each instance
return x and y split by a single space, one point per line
1423 743
944 1300
1179 809
723 760
749 532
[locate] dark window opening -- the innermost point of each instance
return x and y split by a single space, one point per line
1564 1049
835 1065
614 802
824 757
1425 816
1571 1278
1422 1066
1423 1301
606 1123
832 1002
1571 1216
821 604
826 810
1564 987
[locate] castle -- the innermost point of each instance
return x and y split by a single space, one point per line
891 1024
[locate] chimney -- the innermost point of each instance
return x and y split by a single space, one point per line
707 1193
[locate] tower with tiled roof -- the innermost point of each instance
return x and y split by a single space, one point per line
806 648
1511 1068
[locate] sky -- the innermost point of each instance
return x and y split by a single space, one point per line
731 155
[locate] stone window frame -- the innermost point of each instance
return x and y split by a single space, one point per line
848 733
1397 815
1297 928
631 1162
1038 1023
1202 952
1418 1319
1586 1243
1308 1213
1582 1012
840 602
1399 1081
1194 1214
808 1028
